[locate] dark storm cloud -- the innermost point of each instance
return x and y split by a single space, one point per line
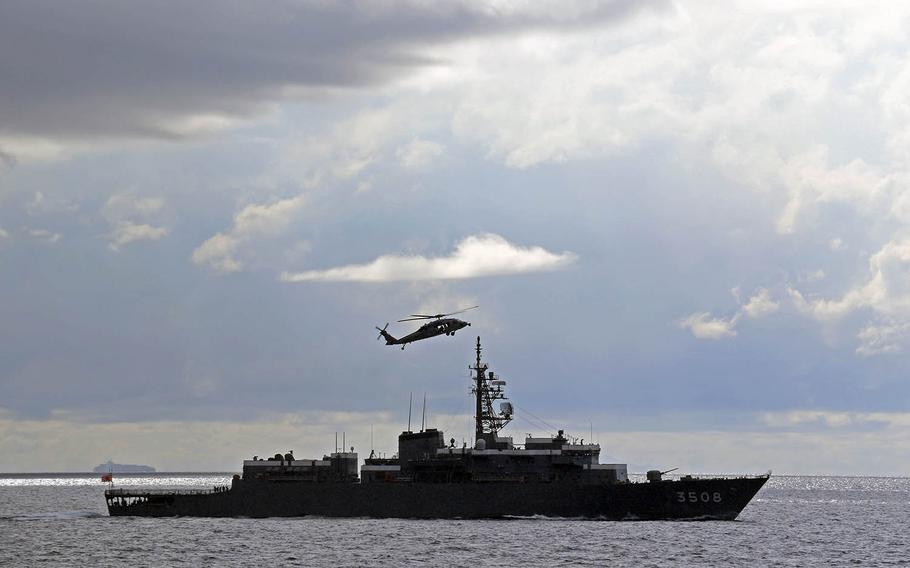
78 69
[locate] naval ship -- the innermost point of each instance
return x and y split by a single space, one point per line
428 478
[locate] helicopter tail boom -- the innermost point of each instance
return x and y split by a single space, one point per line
389 338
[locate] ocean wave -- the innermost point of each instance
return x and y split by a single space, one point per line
54 515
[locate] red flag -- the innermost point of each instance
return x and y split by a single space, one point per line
107 477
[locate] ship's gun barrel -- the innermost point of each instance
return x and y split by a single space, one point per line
656 475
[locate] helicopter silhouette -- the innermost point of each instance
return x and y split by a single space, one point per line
441 324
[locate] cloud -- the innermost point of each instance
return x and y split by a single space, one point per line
122 205
704 326
883 337
127 232
7 160
811 275
348 149
753 104
42 205
266 219
418 154
42 235
181 69
834 419
218 252
31 149
341 152
885 291
222 251
126 214
476 256
3 233
760 305
36 205
811 180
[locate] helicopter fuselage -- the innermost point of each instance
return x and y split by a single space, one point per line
442 326
447 326
438 324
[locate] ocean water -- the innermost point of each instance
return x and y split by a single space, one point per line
61 520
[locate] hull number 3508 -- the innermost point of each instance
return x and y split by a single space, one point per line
695 497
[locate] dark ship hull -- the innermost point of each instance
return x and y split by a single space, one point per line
685 499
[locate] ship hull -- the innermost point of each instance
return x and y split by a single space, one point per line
685 499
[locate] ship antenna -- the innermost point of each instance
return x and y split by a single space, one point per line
478 416
423 420
410 399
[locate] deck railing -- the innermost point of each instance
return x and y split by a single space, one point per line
138 492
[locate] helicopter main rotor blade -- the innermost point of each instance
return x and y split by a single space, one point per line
436 316
460 311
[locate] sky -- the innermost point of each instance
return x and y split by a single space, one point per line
685 224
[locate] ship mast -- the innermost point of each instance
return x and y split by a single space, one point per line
487 423
480 378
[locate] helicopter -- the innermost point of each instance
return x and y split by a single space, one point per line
440 324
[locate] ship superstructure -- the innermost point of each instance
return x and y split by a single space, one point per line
425 456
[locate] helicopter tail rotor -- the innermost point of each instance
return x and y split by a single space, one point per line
389 338
381 331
